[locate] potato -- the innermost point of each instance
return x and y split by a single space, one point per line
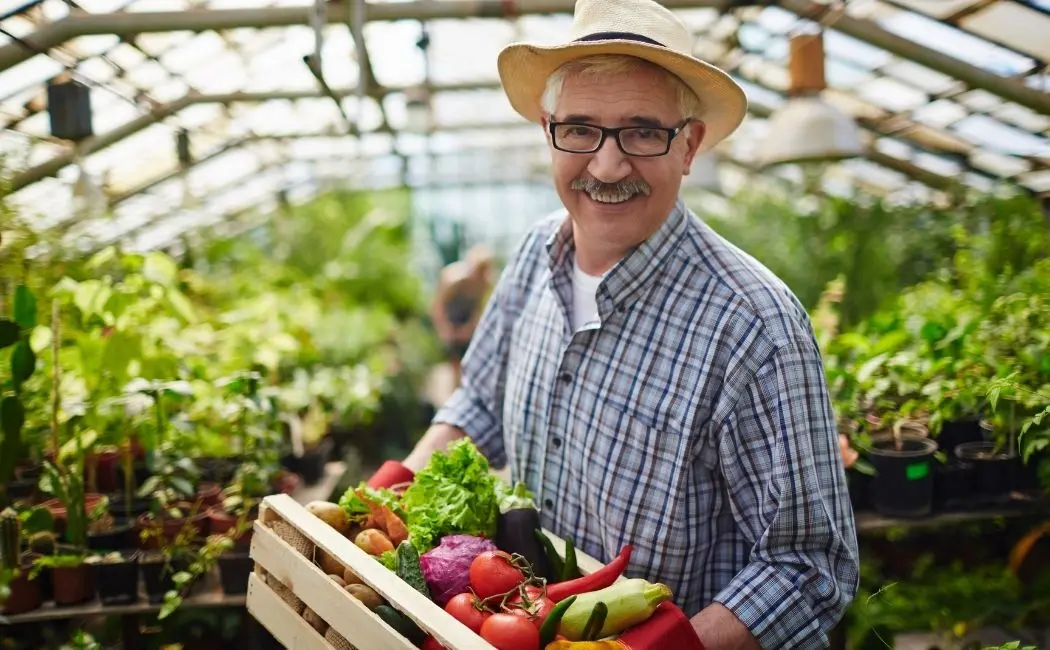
351 578
366 595
331 514
337 579
373 542
315 621
328 563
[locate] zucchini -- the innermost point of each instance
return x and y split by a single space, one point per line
408 568
403 625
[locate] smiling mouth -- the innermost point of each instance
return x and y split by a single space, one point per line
611 193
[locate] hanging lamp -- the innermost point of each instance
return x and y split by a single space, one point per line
808 129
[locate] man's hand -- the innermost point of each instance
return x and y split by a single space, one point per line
720 629
437 438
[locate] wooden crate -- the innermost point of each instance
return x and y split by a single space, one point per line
286 580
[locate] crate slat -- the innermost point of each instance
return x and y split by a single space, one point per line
322 595
349 616
290 629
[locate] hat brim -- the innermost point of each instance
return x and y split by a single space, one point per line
524 69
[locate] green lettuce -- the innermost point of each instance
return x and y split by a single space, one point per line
454 494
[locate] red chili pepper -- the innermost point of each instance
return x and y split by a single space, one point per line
600 579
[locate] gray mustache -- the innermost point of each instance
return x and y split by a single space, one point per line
592 186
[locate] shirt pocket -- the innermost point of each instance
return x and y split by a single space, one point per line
638 489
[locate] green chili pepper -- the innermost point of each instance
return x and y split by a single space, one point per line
549 629
552 556
596 622
569 571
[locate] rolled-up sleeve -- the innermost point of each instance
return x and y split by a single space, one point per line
779 452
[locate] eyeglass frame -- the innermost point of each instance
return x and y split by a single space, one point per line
606 131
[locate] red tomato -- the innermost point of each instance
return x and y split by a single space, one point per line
466 609
538 609
493 573
510 632
430 643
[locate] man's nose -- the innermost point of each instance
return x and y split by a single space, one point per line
609 164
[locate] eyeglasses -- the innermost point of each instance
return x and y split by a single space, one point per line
641 141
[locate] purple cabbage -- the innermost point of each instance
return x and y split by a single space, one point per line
446 567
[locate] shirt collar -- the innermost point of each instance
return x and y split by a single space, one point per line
637 266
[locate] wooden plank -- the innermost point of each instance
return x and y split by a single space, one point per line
423 611
212 598
336 606
280 620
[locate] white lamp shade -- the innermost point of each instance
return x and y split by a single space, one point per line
808 129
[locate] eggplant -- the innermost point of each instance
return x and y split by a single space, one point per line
515 530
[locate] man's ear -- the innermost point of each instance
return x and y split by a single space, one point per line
694 136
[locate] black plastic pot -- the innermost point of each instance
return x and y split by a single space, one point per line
158 576
138 505
955 433
117 538
995 473
953 484
139 470
118 582
859 490
903 484
234 569
310 466
19 489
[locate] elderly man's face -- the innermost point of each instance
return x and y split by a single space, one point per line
616 200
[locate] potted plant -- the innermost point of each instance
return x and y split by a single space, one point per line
19 590
117 576
903 456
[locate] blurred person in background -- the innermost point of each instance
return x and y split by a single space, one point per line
648 381
462 289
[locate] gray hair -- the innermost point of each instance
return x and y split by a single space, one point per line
616 64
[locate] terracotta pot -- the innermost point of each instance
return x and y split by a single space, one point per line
210 494
58 510
25 594
73 585
107 480
220 521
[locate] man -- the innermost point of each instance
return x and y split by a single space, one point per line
649 382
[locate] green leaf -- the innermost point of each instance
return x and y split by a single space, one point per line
12 417
23 362
184 486
25 307
181 305
9 333
120 350
160 269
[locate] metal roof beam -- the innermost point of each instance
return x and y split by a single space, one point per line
161 112
870 32
140 22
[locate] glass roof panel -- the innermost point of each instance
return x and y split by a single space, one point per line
958 44
1037 181
1023 117
996 136
466 50
999 165
892 95
1012 24
940 113
938 8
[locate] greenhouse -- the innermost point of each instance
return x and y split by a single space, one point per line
294 312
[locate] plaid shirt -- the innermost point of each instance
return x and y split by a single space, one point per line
693 422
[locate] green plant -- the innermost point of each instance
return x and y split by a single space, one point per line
14 334
10 540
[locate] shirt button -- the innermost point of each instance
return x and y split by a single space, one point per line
566 376
548 503
556 442
620 308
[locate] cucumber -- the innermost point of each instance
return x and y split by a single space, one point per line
401 624
408 568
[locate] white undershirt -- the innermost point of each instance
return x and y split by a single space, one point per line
584 300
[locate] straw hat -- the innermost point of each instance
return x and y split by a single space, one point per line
639 28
